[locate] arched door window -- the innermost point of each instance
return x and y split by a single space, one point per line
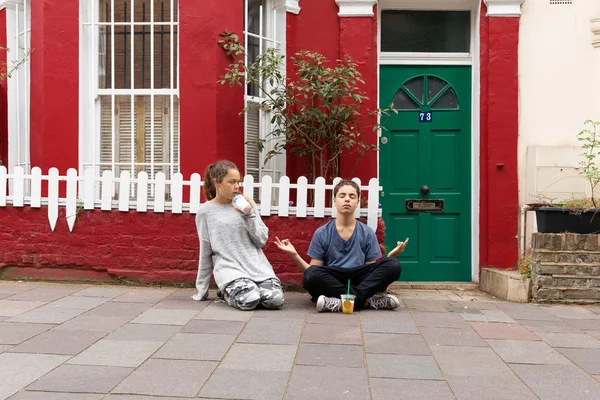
425 92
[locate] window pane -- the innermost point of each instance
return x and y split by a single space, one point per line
151 142
122 54
162 10
447 101
122 10
254 16
104 11
162 57
425 31
142 49
434 86
253 52
415 86
403 102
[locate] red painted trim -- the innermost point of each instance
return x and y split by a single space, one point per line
3 95
210 126
54 112
500 203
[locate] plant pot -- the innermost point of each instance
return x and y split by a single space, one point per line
560 220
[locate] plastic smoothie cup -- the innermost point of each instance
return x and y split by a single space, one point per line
240 203
348 303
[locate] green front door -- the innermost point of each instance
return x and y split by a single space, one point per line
425 169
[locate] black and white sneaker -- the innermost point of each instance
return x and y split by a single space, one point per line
331 304
385 302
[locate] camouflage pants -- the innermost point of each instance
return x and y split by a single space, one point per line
246 294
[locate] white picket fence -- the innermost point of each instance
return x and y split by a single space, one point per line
128 194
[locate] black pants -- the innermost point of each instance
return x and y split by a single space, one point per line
365 280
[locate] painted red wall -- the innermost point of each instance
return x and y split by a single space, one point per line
210 126
358 39
3 94
499 202
138 247
54 128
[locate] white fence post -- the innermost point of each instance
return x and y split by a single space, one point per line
53 197
320 197
284 196
248 186
124 185
265 196
142 192
301 197
194 193
159 192
177 193
71 208
89 186
373 205
3 182
333 209
36 187
357 211
18 186
107 184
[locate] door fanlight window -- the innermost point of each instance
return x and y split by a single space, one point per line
425 92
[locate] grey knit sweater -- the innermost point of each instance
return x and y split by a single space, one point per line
231 244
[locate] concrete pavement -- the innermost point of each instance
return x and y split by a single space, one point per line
92 342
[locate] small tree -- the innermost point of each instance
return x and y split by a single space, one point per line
591 144
316 113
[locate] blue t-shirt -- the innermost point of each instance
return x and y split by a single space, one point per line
328 246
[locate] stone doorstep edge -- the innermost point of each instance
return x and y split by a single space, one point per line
454 286
505 285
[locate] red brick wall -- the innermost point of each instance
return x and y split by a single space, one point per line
139 247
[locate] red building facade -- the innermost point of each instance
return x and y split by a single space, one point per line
173 93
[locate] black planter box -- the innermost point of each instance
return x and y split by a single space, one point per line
559 220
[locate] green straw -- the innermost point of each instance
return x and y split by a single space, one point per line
348 286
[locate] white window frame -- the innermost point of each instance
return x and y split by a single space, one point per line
18 27
91 94
271 30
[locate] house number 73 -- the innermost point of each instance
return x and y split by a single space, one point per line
425 116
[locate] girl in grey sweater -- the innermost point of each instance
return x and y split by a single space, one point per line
231 244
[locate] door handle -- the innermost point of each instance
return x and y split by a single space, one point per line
424 190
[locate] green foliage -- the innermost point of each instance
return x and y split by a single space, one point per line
524 265
591 144
316 113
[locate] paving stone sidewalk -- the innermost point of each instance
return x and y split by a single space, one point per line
90 342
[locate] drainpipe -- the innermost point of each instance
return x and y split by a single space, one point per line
523 230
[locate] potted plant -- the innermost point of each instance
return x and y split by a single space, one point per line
576 215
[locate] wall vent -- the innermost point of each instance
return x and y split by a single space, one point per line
561 2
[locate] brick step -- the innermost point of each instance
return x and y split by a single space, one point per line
565 294
565 280
559 276
580 256
591 269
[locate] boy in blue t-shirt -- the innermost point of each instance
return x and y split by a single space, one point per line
346 249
